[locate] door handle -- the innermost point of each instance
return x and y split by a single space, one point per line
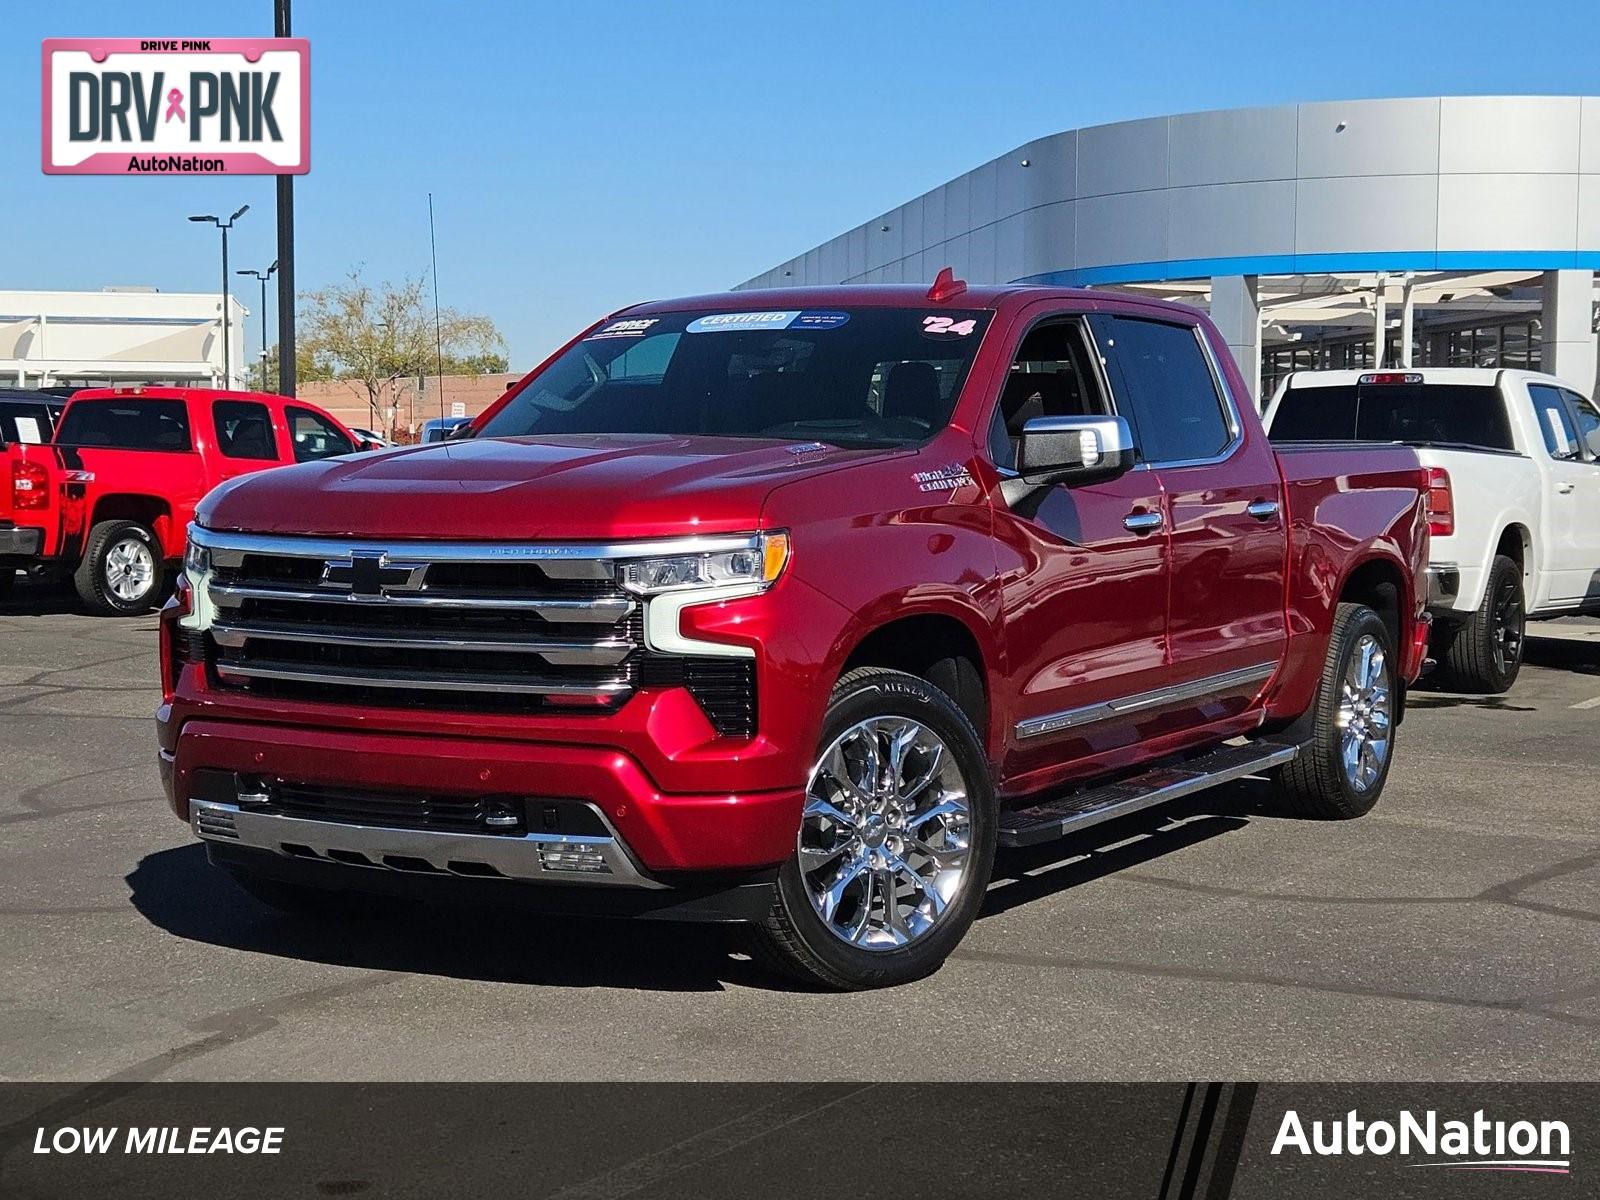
1143 522
1564 488
1263 510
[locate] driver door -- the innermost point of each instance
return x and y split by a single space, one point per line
1084 570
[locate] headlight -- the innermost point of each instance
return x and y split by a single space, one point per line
757 560
196 559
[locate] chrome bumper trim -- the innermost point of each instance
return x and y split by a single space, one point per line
418 851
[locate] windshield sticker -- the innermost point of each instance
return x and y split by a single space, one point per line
617 329
820 320
947 327
740 321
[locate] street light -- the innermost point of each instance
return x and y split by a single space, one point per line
227 355
263 276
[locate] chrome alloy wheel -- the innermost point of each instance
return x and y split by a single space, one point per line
1364 714
130 569
887 833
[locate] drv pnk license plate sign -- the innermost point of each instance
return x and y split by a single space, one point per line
177 106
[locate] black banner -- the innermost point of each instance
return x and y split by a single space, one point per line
922 1141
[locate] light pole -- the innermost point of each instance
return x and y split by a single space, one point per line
263 276
227 354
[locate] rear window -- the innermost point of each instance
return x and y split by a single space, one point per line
1417 414
132 424
24 423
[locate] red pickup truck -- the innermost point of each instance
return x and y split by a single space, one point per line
791 607
110 497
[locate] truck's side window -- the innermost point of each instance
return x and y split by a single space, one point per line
1166 380
244 430
1588 419
1049 377
1555 422
315 436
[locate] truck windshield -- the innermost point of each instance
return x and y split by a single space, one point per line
1413 413
137 423
860 376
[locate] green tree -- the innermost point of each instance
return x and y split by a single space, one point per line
379 335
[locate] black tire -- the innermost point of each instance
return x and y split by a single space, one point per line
1484 653
1317 783
299 900
94 583
794 938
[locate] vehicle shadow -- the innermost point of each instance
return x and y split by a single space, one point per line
1562 654
180 892
39 598
1026 875
1424 701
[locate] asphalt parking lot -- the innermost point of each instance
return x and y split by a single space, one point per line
1449 935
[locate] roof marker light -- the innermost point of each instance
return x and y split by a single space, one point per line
946 286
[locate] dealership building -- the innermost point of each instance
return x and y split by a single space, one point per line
119 335
1447 231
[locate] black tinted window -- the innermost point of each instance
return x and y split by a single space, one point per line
875 376
24 423
315 436
244 429
1415 413
135 423
1168 384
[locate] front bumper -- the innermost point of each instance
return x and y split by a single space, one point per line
654 833
21 543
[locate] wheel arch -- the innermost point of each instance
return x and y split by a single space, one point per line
154 513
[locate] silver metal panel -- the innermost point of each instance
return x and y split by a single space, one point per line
1379 137
1589 207
911 227
1589 136
982 196
1049 238
1384 212
521 857
981 254
1507 212
1052 171
935 229
1536 134
1129 228
1011 179
1130 156
1009 248
958 206
1220 220
1234 146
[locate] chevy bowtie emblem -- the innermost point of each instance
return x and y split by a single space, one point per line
373 576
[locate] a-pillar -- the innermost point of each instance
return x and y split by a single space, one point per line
1569 350
1237 314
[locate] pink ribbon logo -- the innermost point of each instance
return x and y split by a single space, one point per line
175 106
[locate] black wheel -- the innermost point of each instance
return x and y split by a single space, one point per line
1341 770
298 900
122 571
1484 653
896 842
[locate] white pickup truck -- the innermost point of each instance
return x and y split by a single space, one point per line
1514 466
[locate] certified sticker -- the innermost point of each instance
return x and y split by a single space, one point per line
740 321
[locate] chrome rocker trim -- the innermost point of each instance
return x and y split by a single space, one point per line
1197 689
440 853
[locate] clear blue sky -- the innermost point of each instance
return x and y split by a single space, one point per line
586 155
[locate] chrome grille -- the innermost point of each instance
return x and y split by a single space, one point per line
451 625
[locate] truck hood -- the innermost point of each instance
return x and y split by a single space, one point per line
509 489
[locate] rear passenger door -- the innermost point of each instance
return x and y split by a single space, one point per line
1226 627
244 437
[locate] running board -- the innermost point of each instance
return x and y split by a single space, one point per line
1067 814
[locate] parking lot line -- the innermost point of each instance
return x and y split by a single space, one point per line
1593 702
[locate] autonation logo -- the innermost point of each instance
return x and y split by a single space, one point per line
1475 1145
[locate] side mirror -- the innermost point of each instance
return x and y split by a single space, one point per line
459 432
1074 449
